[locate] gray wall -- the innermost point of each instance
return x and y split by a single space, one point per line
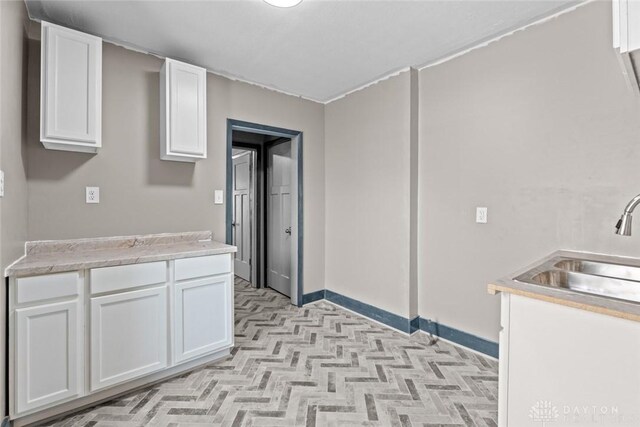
139 193
13 106
540 128
13 206
367 175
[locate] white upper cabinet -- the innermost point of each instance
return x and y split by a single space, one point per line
183 112
70 90
626 40
626 25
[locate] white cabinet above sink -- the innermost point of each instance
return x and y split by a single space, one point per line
626 39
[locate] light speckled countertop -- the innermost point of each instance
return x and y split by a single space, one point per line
55 256
596 303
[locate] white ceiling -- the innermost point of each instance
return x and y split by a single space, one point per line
318 49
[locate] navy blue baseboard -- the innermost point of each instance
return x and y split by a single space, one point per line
414 324
457 336
405 325
313 296
390 319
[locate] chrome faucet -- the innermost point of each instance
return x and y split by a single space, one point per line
623 227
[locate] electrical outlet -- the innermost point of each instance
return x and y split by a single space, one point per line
93 195
218 197
1 183
481 215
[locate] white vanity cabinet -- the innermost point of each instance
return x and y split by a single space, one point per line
566 366
47 347
183 112
70 90
203 320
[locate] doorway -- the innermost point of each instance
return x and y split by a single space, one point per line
264 206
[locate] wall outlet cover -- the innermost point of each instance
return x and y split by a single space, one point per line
218 198
93 194
1 183
481 215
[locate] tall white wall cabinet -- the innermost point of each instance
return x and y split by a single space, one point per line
70 90
183 112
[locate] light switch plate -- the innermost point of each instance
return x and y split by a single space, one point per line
218 198
93 195
1 183
481 215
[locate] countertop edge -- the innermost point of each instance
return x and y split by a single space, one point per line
14 270
593 303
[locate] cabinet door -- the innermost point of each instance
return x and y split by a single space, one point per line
71 89
48 356
203 316
128 336
186 114
563 362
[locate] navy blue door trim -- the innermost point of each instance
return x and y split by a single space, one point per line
275 131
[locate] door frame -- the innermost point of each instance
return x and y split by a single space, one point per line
297 219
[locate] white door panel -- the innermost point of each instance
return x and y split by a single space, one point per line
242 214
279 214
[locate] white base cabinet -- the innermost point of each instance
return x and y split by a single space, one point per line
115 326
48 363
203 318
562 366
128 336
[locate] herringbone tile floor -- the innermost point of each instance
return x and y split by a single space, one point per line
318 365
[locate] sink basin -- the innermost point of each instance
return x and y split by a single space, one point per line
598 285
600 269
610 280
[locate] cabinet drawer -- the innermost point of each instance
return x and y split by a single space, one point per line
50 286
189 268
109 279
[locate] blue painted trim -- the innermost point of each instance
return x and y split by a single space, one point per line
229 184
300 221
403 324
232 125
414 324
313 296
457 336
390 319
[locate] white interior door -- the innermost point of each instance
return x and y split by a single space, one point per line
242 230
279 218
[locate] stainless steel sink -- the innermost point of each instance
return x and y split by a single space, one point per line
610 280
600 269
